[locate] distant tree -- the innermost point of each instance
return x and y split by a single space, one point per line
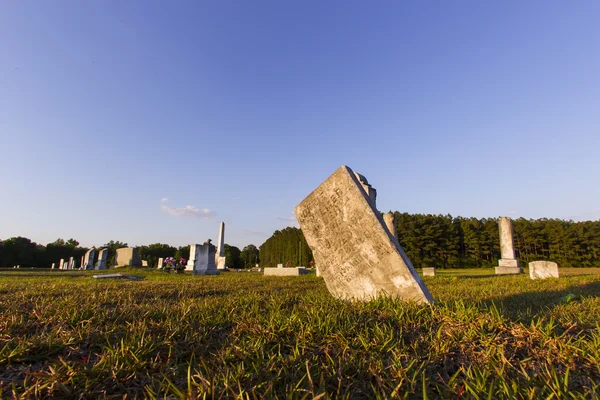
232 257
250 256
286 245
155 251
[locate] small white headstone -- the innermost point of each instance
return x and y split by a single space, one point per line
160 263
429 271
279 265
543 269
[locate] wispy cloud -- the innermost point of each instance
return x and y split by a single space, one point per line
236 198
187 211
290 220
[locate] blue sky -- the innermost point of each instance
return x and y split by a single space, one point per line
235 111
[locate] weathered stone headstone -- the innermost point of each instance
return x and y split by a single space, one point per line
286 271
71 263
202 259
66 265
144 263
543 269
317 271
429 271
102 256
220 256
507 264
88 259
128 256
358 256
160 263
82 262
61 263
279 265
52 266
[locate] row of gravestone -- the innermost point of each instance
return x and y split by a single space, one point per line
357 248
205 259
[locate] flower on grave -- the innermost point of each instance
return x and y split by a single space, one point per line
182 261
288 264
170 261
311 263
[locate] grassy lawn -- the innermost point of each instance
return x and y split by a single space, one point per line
64 334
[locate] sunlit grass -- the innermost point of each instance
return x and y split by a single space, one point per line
64 334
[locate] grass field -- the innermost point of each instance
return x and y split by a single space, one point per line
64 334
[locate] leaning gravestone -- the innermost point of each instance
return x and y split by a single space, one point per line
102 256
202 259
358 256
543 269
88 259
507 264
128 256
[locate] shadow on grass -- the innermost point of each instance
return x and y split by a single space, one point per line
525 306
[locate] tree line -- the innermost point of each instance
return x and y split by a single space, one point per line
26 253
440 241
444 241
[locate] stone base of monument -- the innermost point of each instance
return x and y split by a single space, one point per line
508 266
286 271
543 269
429 271
508 270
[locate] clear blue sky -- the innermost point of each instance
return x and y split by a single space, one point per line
240 109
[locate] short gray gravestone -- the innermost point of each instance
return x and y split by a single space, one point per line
202 259
358 256
286 271
144 263
88 259
279 266
102 256
429 271
543 269
128 256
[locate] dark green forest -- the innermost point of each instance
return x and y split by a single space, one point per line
440 241
444 241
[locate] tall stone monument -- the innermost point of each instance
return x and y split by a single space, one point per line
202 259
507 264
220 255
102 256
357 254
61 264
128 256
88 259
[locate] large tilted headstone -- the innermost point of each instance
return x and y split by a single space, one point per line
357 255
128 256
202 259
543 269
102 256
507 264
220 256
88 259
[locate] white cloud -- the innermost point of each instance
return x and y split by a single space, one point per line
289 220
187 211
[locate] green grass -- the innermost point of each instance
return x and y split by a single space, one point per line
64 334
